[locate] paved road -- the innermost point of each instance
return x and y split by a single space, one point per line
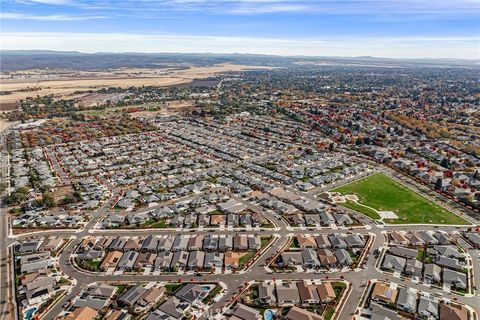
64 179
256 271
6 303
475 255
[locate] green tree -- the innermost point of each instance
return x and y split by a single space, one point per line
48 200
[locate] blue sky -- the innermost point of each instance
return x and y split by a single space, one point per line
383 28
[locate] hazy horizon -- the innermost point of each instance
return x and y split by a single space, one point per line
47 51
352 28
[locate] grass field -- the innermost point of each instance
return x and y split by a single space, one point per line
366 211
245 258
382 193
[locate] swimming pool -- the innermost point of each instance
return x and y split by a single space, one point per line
269 314
29 313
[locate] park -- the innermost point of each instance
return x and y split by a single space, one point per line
380 197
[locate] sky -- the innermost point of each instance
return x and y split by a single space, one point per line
379 28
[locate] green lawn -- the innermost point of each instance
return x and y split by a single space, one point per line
171 288
121 289
264 241
366 211
294 243
245 258
64 281
353 256
329 313
420 255
382 193
159 224
91 265
267 225
338 287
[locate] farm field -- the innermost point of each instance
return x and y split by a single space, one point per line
32 83
381 193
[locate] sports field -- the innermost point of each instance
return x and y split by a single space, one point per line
381 193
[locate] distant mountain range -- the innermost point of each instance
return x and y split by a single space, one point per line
14 60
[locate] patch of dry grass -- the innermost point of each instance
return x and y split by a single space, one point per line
62 83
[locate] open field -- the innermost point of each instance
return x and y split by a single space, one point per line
3 124
381 193
145 111
366 211
64 88
63 84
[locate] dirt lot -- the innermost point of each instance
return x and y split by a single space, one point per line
171 107
61 192
6 107
62 83
3 124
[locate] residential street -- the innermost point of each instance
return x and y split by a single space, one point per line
282 233
357 278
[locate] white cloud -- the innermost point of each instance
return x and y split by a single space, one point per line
51 17
340 7
48 2
269 8
405 47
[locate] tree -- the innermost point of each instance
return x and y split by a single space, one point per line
73 197
445 163
77 195
17 197
68 199
23 190
455 182
331 147
48 200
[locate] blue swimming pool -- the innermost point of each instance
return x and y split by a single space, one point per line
29 313
268 315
